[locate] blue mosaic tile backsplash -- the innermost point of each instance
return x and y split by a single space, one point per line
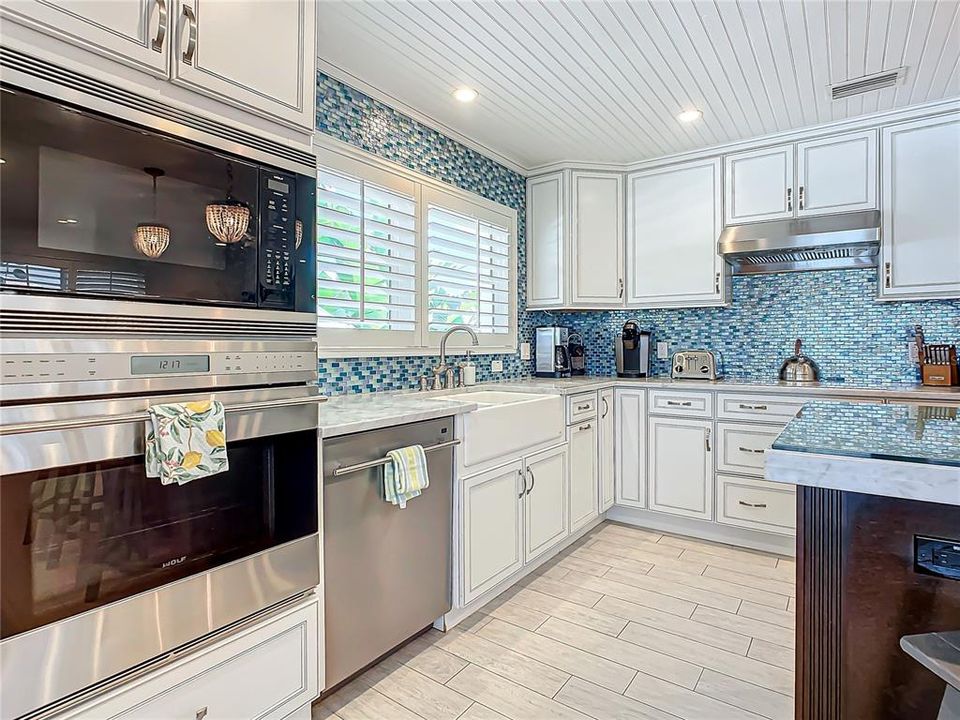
851 336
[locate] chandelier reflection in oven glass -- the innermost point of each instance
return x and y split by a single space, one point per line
228 219
152 238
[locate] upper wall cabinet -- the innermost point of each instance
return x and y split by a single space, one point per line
921 220
575 240
759 185
673 222
817 177
253 56
259 56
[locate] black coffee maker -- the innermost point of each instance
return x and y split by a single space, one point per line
632 349
577 352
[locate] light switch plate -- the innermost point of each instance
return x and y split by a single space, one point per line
524 351
663 351
496 366
913 355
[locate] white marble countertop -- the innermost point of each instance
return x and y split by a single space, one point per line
344 414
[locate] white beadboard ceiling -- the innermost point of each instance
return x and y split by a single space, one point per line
602 80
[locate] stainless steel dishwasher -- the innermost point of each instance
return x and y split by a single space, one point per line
387 571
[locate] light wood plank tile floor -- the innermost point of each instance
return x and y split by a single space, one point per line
626 623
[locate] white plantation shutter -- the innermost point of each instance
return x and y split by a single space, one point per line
366 258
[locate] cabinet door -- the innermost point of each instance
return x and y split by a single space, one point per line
759 185
837 174
492 528
259 56
673 223
921 223
630 407
545 246
597 243
545 501
134 32
681 466
584 474
607 451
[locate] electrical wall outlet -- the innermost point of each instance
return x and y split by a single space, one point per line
496 366
913 355
524 351
663 351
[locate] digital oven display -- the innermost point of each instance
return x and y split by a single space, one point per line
160 364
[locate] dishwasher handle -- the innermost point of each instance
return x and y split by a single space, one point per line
347 469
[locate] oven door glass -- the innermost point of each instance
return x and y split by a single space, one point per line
74 188
75 538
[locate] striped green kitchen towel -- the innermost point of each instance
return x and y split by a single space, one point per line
405 476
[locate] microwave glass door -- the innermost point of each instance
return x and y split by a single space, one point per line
74 187
78 537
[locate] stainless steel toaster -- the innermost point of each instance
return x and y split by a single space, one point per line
697 365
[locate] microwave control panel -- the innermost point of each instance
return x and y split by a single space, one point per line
278 230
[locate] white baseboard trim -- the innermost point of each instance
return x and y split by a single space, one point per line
704 529
458 615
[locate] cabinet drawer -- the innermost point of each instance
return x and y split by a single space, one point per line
267 671
674 402
756 504
581 407
741 446
758 408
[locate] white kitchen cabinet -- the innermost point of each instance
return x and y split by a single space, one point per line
545 501
259 56
673 221
597 239
133 32
492 532
575 241
545 241
607 454
630 408
759 185
920 250
584 474
681 466
837 174
268 670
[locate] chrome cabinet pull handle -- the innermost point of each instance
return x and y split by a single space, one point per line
192 30
157 44
201 713
716 284
620 281
801 197
753 505
523 484
583 407
752 407
674 403
789 199
750 450
706 437
606 407
585 427
533 480
886 274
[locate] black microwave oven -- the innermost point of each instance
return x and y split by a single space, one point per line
94 207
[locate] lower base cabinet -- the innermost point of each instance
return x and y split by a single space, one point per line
511 515
584 500
681 466
269 670
756 504
630 409
607 454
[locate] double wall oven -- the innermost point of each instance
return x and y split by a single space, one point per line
140 267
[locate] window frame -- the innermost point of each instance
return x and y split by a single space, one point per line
344 159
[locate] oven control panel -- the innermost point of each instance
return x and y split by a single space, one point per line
81 367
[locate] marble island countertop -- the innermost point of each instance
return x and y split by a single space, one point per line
909 451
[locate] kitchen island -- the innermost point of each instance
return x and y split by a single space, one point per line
878 526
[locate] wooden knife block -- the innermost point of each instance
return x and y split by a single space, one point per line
940 373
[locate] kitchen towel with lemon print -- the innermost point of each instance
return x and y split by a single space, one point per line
186 441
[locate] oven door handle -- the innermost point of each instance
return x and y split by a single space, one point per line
99 421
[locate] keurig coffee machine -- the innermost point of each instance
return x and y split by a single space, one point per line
632 348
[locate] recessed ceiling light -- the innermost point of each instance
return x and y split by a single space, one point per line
689 116
465 94
67 221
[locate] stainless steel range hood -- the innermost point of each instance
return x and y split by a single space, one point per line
830 242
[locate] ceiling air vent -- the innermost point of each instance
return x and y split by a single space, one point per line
865 84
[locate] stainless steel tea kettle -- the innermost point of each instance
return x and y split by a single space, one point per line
798 367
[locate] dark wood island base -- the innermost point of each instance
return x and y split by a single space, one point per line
858 593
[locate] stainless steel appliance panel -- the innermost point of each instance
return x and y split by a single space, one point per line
387 571
552 354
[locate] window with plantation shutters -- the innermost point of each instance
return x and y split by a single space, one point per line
366 256
401 258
